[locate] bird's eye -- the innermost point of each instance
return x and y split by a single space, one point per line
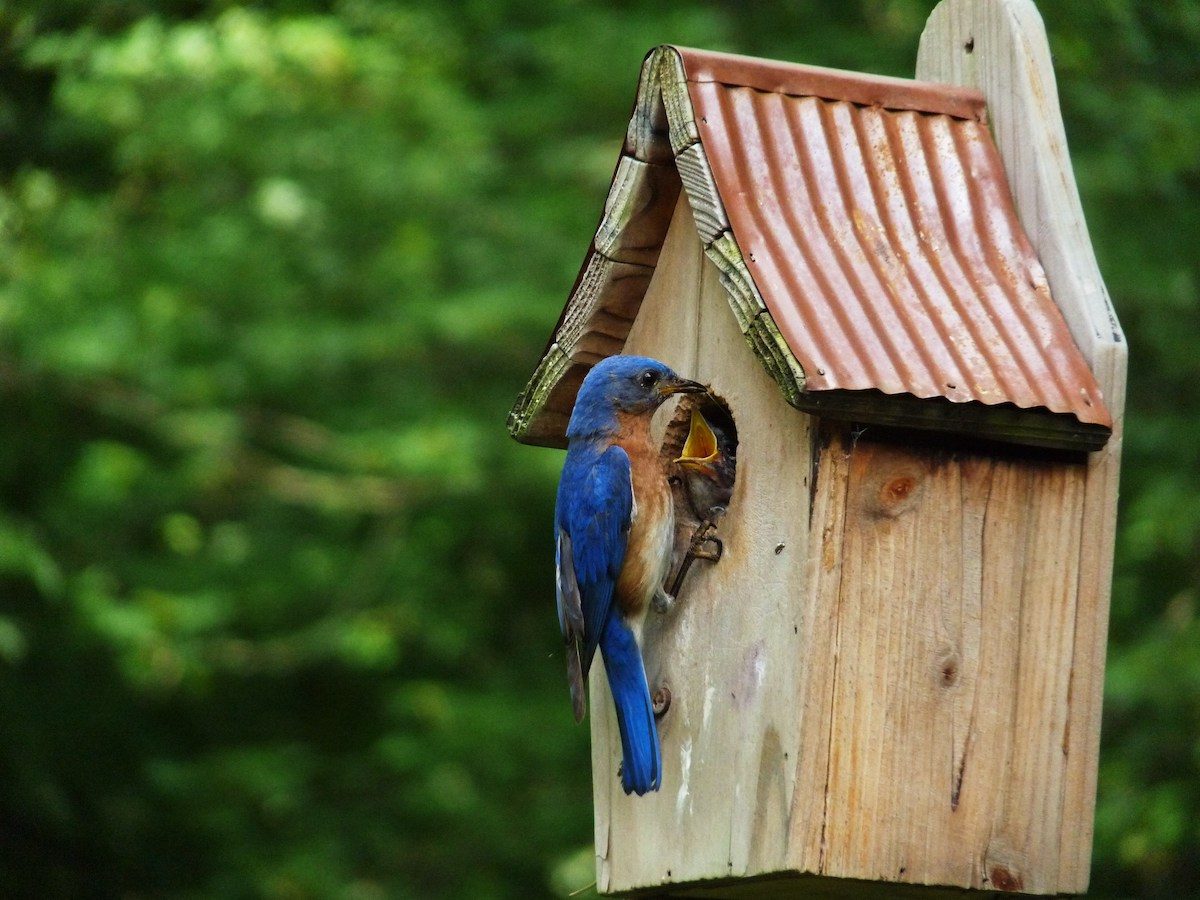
647 378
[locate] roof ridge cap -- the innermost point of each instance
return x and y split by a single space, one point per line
804 80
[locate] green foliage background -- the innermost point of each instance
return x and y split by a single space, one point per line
275 594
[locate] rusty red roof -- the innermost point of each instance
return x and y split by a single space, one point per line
883 237
875 219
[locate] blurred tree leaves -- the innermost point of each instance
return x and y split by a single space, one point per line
276 616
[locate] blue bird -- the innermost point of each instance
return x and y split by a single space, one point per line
614 530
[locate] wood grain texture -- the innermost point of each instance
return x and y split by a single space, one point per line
1000 47
602 309
672 82
595 324
639 206
946 589
918 705
647 137
701 190
895 673
753 318
756 626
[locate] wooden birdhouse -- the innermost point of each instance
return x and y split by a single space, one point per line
893 676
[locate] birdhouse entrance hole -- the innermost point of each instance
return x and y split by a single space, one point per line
702 497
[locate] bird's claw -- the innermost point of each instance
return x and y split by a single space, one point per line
713 555
706 534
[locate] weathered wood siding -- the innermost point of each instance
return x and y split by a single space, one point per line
945 604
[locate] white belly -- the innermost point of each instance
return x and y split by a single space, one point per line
647 554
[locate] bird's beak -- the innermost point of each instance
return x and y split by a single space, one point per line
682 386
700 447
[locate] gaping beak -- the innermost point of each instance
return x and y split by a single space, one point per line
700 448
682 386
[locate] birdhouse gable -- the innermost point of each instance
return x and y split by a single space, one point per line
866 236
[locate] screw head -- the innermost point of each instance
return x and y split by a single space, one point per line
661 700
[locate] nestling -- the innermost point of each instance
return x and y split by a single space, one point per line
708 461
614 529
708 464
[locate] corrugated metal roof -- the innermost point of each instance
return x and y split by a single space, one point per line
866 232
794 79
883 237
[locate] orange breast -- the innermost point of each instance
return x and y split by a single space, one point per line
651 533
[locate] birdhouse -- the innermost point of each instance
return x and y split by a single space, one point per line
892 677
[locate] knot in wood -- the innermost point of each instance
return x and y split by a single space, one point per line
948 668
1005 880
897 492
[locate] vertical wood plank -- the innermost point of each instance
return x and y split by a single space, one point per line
808 834
1024 846
755 596
934 714
952 586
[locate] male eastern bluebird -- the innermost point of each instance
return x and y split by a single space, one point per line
614 526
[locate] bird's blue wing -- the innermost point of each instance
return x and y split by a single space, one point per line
566 586
570 615
595 504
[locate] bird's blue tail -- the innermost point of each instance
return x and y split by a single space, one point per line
641 770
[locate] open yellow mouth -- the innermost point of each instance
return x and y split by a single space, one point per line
701 444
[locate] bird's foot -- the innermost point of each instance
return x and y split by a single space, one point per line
662 602
713 555
706 534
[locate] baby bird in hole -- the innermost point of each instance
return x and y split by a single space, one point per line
708 461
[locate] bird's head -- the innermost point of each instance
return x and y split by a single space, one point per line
630 385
